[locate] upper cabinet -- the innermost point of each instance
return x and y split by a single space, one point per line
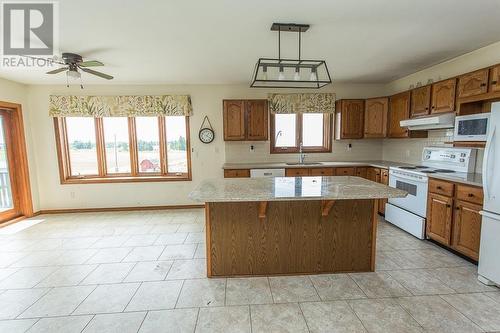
245 120
474 83
399 109
350 115
420 101
495 79
443 96
376 110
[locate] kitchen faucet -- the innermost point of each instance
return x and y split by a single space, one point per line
302 156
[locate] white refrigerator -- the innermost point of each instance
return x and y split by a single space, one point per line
489 253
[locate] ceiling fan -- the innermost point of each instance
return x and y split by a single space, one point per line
73 63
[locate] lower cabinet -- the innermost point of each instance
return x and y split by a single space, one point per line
345 171
236 173
453 219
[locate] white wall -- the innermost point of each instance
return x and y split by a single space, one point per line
17 93
207 160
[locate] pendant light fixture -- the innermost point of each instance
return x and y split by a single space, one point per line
290 73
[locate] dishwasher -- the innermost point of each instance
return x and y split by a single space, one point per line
259 173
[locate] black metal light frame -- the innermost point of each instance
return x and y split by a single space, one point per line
298 64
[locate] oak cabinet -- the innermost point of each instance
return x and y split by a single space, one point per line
467 229
361 172
473 83
245 120
236 173
420 101
322 172
443 96
399 109
439 217
375 123
373 174
297 172
453 217
345 171
495 79
350 115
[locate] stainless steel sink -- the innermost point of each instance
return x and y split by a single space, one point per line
304 163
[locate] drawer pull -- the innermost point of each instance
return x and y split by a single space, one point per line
470 195
439 188
448 205
493 82
267 173
483 84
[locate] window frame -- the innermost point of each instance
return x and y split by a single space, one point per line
327 137
135 175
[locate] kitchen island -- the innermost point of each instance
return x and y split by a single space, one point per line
290 225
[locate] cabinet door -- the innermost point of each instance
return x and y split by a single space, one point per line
474 83
297 172
322 172
376 117
236 173
234 120
443 96
352 115
373 174
399 110
384 179
257 120
420 101
467 229
439 215
344 171
495 79
361 172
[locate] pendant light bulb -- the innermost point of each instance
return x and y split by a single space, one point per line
264 72
281 75
296 77
314 76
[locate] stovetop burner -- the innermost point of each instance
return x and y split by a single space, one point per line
428 171
421 167
444 171
407 167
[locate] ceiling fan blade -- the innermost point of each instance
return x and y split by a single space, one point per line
59 70
91 71
91 63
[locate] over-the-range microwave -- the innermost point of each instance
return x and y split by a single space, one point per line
473 127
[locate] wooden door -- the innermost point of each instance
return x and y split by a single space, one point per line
384 179
399 109
344 171
9 204
495 79
439 216
376 117
373 174
352 115
257 120
420 101
467 229
443 96
234 120
297 172
361 172
473 83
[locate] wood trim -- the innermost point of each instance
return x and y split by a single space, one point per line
113 209
162 131
22 180
132 138
100 147
208 237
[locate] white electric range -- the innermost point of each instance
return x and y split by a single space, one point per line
409 213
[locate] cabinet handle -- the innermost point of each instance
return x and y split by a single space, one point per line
483 84
457 208
470 195
439 188
448 205
493 82
427 108
432 107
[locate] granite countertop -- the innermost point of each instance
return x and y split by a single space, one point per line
279 165
475 179
292 188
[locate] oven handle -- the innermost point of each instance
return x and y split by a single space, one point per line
406 180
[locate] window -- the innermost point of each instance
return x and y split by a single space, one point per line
121 149
313 130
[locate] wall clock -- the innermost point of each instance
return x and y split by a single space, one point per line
206 133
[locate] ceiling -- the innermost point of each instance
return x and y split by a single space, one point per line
219 41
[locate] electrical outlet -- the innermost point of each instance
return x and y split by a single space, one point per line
252 148
349 147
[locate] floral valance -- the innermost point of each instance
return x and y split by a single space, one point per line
120 106
301 103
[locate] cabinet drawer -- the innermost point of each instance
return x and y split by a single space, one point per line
236 173
441 187
344 171
470 193
322 172
361 172
297 172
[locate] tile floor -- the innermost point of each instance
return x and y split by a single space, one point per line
145 272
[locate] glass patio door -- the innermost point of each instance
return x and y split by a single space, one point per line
8 202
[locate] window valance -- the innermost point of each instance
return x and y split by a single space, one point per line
120 106
302 103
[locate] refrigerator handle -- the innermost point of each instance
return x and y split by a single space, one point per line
486 162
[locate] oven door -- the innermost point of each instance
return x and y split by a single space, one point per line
416 186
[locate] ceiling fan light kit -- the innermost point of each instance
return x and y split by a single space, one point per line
290 73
